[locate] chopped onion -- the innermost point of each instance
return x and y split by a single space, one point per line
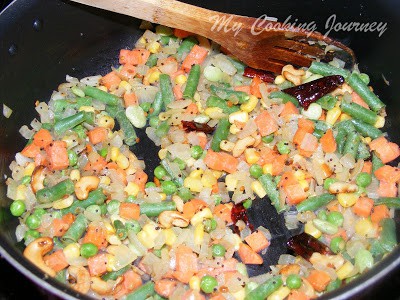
7 111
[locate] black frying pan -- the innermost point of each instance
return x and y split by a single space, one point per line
41 41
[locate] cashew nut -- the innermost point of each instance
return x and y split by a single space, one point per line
292 74
169 218
35 251
342 187
102 287
38 176
84 185
327 260
241 145
79 278
178 202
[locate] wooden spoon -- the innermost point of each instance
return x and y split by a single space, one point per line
244 37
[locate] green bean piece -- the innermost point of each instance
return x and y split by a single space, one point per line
351 145
376 249
142 292
333 285
220 133
325 226
157 105
70 122
359 113
95 197
388 234
61 276
166 89
265 289
228 94
363 152
185 47
176 175
162 129
113 275
120 229
315 202
102 96
237 64
47 126
285 97
192 82
56 192
327 70
118 112
321 125
363 260
152 60
364 92
327 102
165 39
214 101
376 162
76 103
366 129
76 230
154 209
391 202
132 225
270 188
80 131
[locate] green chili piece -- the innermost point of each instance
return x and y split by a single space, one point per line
327 102
162 129
118 112
176 176
56 192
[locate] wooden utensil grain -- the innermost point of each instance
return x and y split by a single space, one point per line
267 49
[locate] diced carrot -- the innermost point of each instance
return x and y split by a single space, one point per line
97 235
130 99
134 57
387 151
202 139
249 256
40 159
278 164
129 211
255 87
294 194
223 211
323 116
193 206
379 213
306 124
31 150
180 33
186 263
287 178
290 269
367 167
131 281
97 135
358 100
60 226
97 264
328 142
165 287
266 124
341 232
56 260
289 109
178 94
192 109
387 189
57 155
319 280
42 138
221 161
309 142
97 165
388 173
299 136
243 88
140 179
257 241
196 56
363 206
297 295
110 80
128 71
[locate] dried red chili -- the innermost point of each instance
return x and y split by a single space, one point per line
263 75
305 245
239 212
194 126
310 92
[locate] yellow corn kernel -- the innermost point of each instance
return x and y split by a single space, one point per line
154 47
344 117
106 122
226 145
194 184
21 192
113 239
213 111
69 140
150 228
194 283
72 251
365 228
132 189
196 174
380 122
208 179
109 228
345 271
250 105
257 188
142 41
122 161
154 76
125 85
111 262
300 175
231 182
234 129
279 79
198 234
190 162
105 180
163 196
86 108
240 294
217 174
63 203
347 199
239 116
28 170
333 115
200 216
279 294
310 229
267 168
114 152
162 153
145 239
103 88
170 236
304 184
75 175
251 155
366 140
180 79
236 242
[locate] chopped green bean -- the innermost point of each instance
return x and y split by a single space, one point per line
95 197
113 275
220 133
351 145
176 175
56 192
270 188
157 105
265 289
376 162
192 82
102 96
154 209
166 89
162 129
70 122
186 45
359 113
285 97
388 238
391 202
120 229
143 292
214 101
118 112
327 70
76 230
325 226
315 202
366 129
152 60
228 94
363 151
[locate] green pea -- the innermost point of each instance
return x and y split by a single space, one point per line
150 184
322 215
185 193
113 207
363 260
255 170
154 121
31 233
168 187
132 225
283 147
293 281
88 250
247 203
131 199
328 182
208 283
103 152
268 138
33 222
335 218
196 151
363 179
26 179
337 244
364 77
210 225
218 250
181 163
17 208
160 172
72 158
145 106
39 212
94 210
217 199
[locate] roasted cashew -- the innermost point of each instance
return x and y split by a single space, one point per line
38 176
292 74
178 202
79 279
169 218
35 251
84 185
241 145
102 287
342 187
